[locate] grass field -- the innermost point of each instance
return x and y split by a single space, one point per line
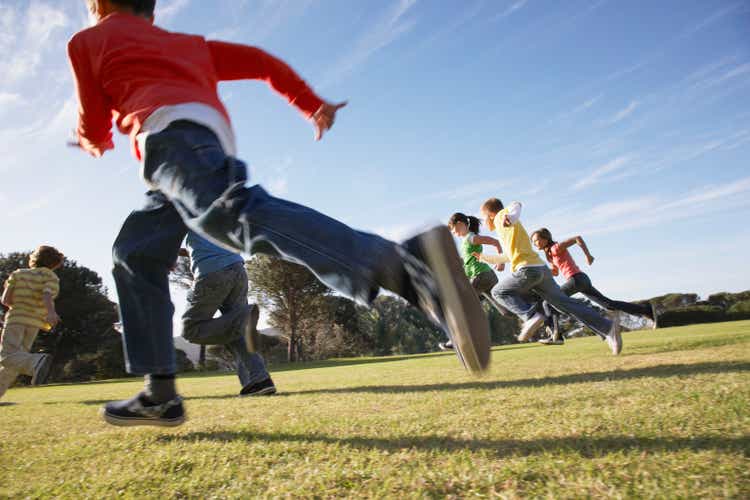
668 418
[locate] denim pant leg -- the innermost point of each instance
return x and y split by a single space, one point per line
251 368
144 251
186 162
548 290
208 295
510 292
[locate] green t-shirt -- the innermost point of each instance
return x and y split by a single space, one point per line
472 267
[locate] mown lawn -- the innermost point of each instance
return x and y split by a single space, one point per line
668 418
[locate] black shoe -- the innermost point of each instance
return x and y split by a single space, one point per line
41 370
262 388
252 337
141 411
446 346
445 295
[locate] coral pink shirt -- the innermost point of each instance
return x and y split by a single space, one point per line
562 259
125 68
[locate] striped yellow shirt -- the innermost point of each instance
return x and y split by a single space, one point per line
28 287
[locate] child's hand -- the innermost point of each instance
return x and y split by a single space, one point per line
500 267
589 259
52 319
555 271
476 255
324 117
506 221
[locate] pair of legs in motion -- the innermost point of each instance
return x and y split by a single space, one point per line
197 186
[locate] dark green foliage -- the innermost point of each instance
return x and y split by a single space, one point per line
689 315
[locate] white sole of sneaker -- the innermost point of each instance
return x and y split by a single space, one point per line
531 330
132 422
464 315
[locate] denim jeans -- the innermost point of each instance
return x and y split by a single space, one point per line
512 291
195 185
580 283
224 290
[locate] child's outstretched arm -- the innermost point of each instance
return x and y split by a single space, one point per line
577 240
487 240
234 61
495 260
94 130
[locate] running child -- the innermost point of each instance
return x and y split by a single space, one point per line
166 101
531 275
481 276
30 296
220 284
576 281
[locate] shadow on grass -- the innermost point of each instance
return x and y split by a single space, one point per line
657 371
588 447
7 403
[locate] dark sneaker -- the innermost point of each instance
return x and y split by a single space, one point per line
141 411
446 295
41 370
252 337
262 388
446 346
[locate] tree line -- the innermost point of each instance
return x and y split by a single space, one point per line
313 322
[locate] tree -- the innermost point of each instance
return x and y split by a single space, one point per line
85 344
293 296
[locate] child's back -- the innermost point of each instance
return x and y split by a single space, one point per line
128 68
29 287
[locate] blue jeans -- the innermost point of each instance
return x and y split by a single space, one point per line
196 186
223 290
512 291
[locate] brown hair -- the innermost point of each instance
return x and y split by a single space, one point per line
492 205
472 223
45 256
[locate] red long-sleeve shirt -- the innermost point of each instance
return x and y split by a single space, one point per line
126 68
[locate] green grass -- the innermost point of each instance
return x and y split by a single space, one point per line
668 418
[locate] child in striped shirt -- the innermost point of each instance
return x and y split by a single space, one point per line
29 294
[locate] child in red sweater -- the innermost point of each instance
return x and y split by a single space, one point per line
160 88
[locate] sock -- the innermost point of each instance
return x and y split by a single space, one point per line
160 388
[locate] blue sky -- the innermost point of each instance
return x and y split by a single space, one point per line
625 122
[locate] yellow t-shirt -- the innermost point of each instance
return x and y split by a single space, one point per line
29 286
516 243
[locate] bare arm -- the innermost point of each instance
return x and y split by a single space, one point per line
7 299
577 240
491 259
49 303
487 240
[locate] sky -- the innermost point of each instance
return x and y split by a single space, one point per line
627 123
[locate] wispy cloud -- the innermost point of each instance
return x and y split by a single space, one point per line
623 113
384 31
166 11
26 38
648 210
602 172
510 9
